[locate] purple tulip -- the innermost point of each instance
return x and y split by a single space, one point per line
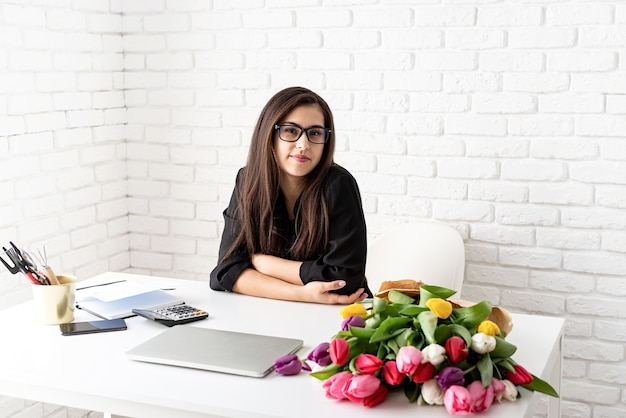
352 321
288 365
450 376
320 355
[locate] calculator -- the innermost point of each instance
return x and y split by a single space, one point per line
173 315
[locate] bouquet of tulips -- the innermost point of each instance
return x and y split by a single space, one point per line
436 352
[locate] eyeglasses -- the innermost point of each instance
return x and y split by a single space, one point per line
291 133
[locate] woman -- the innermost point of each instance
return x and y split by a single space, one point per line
294 228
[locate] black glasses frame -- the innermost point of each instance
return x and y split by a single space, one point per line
326 133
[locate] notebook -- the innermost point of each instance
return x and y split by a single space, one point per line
109 308
215 350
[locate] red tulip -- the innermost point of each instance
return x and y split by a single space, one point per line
520 377
391 374
424 372
378 397
456 349
339 351
368 363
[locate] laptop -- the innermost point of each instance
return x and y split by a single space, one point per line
215 350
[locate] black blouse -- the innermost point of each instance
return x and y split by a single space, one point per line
347 245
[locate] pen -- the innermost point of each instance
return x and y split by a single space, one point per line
101 284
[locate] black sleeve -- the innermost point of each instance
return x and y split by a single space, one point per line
347 245
227 271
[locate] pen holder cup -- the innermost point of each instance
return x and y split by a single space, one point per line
54 304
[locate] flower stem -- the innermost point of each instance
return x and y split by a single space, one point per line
469 370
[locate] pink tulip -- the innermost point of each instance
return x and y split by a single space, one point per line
391 373
377 397
408 359
368 363
498 388
482 398
457 401
339 351
361 386
334 385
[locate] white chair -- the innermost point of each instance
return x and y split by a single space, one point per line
430 251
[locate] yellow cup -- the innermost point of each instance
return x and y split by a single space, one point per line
54 304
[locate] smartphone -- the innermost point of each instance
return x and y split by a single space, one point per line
89 327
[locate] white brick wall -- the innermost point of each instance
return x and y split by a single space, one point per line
122 125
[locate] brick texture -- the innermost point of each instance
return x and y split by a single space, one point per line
122 125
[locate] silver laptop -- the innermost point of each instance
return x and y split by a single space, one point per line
215 350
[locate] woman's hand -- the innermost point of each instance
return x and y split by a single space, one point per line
320 292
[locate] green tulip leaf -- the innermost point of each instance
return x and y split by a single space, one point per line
362 333
352 365
392 310
429 291
485 367
471 316
462 332
373 321
539 385
412 391
393 345
379 305
412 310
403 339
382 351
442 333
428 323
417 340
389 328
326 372
504 349
398 297
506 364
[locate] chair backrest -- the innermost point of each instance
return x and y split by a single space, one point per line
430 251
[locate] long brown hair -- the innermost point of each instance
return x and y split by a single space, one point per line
259 185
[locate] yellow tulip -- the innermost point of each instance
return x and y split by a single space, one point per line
489 328
356 309
440 307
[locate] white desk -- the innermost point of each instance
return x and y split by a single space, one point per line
91 371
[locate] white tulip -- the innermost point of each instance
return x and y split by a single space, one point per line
433 354
432 393
483 343
510 391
